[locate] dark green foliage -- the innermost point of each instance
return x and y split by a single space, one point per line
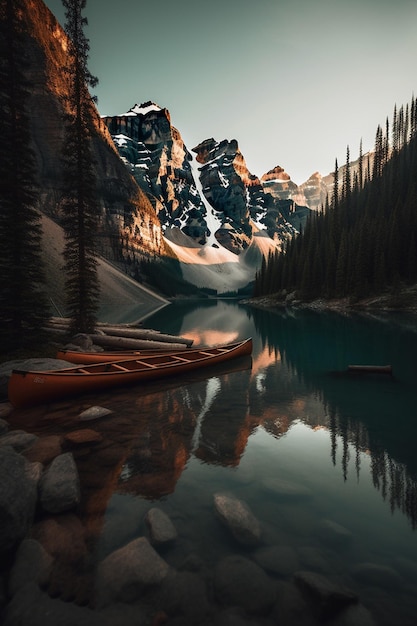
23 304
365 242
80 204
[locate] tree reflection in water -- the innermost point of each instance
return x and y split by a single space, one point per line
369 412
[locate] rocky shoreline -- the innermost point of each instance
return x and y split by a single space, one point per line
49 580
403 300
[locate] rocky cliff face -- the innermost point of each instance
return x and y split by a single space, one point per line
215 199
226 182
311 194
314 192
243 203
125 208
157 158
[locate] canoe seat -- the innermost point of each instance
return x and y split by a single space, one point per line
144 363
118 367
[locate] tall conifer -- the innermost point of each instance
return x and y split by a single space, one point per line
347 182
80 204
360 167
23 304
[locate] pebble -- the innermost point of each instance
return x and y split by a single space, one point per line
94 413
84 436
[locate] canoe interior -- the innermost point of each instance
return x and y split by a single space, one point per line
142 363
91 358
157 361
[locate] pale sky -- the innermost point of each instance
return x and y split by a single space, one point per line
294 81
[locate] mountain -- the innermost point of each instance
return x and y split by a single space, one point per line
212 198
160 201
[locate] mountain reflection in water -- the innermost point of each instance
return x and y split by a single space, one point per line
287 431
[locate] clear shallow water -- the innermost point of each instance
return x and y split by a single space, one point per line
303 443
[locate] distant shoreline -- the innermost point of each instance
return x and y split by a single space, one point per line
404 300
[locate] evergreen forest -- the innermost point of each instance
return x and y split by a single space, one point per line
23 303
363 241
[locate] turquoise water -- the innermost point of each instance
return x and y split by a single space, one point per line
325 460
347 443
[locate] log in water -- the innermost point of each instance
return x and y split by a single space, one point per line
370 369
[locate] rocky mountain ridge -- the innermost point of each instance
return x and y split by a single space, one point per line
158 199
214 189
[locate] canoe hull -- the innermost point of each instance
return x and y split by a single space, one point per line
29 388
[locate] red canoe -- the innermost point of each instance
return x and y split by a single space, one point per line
28 388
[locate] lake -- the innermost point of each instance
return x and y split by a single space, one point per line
325 459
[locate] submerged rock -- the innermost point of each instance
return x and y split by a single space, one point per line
19 440
238 518
162 530
279 560
334 534
240 582
5 409
83 436
353 615
62 536
32 607
18 496
327 597
377 575
60 485
290 607
32 564
125 573
94 413
312 558
183 595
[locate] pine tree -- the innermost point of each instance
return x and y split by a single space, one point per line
80 203
347 182
360 167
395 137
23 303
335 200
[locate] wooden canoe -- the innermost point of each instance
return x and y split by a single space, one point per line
28 388
90 358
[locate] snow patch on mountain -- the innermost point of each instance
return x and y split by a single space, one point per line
212 220
208 266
